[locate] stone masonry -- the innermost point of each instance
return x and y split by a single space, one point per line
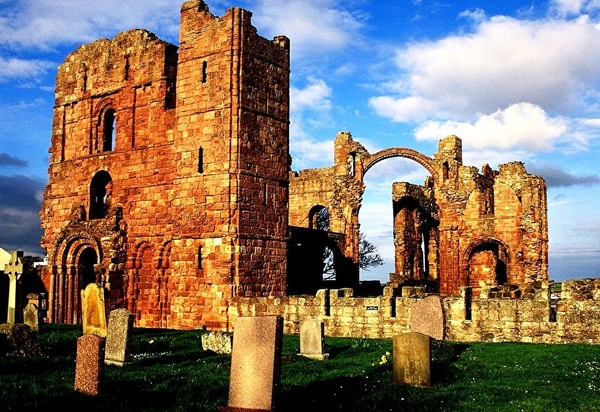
170 187
168 172
461 228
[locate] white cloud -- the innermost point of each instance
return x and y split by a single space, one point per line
521 125
13 68
315 27
44 24
315 96
549 63
412 108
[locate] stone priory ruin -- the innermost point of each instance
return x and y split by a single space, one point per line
170 186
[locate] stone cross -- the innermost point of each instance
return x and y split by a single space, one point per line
14 270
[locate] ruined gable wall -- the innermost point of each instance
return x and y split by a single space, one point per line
131 75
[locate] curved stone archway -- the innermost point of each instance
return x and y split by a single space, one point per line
420 158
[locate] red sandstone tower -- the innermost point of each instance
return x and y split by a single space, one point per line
168 177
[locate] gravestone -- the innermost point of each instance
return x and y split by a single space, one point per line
218 342
93 315
255 363
17 339
427 317
88 364
14 270
120 323
31 313
312 343
412 359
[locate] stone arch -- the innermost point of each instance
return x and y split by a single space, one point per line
164 277
411 154
319 218
144 287
76 263
485 261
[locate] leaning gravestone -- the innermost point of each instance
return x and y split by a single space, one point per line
93 310
427 317
89 365
255 363
120 322
412 359
312 343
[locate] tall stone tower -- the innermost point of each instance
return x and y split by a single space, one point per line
168 177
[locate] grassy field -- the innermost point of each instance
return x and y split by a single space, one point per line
170 372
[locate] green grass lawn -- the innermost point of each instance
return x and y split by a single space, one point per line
170 372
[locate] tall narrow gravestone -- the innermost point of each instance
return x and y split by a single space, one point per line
120 322
312 334
255 363
88 364
93 315
14 270
412 359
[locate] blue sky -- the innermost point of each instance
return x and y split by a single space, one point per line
516 80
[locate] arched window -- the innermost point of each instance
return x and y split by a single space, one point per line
109 130
319 218
100 192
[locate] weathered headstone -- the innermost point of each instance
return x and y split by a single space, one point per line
93 310
120 322
14 270
255 363
88 364
312 343
218 342
17 339
412 359
427 317
31 313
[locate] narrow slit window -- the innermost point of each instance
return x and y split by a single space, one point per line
199 257
200 160
204 72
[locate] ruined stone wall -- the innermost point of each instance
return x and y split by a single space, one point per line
497 319
462 228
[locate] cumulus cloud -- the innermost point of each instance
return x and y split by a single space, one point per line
15 68
310 107
520 125
549 63
315 27
44 24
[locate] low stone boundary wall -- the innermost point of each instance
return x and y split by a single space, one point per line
575 319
